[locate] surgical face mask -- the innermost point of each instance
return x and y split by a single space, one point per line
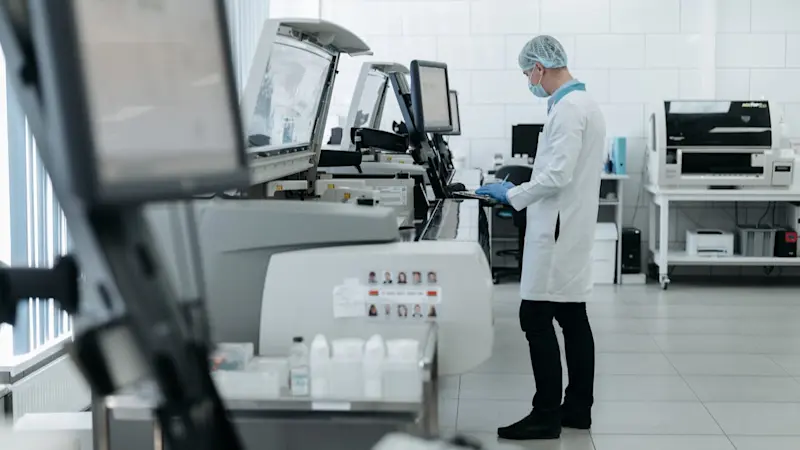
537 89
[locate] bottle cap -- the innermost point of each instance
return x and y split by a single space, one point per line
297 339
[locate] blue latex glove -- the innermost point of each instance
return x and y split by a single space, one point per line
498 191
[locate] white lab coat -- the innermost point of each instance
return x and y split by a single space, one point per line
564 188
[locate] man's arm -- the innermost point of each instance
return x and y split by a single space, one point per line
566 139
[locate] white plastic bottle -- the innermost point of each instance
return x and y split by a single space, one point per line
374 354
319 362
299 382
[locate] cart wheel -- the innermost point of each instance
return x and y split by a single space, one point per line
495 279
664 283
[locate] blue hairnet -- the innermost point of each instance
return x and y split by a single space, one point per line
546 50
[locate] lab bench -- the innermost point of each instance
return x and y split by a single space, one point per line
659 209
125 421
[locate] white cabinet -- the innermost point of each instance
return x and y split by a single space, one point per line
604 255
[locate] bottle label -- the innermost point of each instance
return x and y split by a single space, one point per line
299 381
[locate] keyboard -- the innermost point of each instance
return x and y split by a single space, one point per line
474 196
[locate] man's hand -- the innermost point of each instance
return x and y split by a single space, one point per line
497 191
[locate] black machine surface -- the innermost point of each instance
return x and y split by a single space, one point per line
516 175
631 250
525 139
785 243
692 124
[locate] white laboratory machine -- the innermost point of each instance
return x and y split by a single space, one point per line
717 144
291 265
707 242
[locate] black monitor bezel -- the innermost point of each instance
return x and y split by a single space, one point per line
62 74
416 96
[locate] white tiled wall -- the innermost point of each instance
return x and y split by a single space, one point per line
628 52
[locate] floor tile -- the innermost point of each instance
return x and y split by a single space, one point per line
633 364
620 325
660 418
789 363
727 343
642 388
757 419
479 386
745 389
765 442
624 343
725 364
448 387
568 441
448 412
488 415
619 442
516 361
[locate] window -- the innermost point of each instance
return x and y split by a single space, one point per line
37 230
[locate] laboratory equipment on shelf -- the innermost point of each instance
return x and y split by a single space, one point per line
717 144
107 157
662 202
411 147
711 243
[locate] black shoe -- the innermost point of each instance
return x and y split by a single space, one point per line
537 426
578 420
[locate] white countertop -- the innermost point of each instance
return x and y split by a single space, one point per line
725 195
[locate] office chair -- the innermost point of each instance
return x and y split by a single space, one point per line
516 175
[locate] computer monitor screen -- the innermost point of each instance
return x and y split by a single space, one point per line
289 97
371 99
159 90
455 115
525 139
430 97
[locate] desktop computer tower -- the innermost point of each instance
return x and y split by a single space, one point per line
631 250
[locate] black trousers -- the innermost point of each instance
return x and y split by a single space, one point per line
536 320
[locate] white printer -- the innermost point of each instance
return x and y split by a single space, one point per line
709 243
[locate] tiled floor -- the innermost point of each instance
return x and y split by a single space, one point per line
692 368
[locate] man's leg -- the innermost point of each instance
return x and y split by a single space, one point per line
536 320
579 348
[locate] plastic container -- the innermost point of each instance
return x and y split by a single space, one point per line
320 361
402 379
279 366
250 385
299 379
374 354
345 376
757 240
232 356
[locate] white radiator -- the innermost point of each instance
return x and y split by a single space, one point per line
56 387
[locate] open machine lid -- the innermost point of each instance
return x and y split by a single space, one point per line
284 102
369 97
718 123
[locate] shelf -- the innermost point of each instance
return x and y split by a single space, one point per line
681 258
613 176
725 195
609 202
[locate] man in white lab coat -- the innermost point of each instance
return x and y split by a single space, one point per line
562 201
